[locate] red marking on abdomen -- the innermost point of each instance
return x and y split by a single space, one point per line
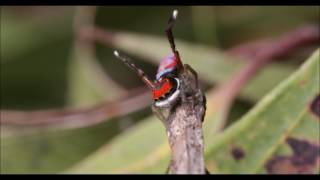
165 87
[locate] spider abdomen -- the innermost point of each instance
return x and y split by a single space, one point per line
167 66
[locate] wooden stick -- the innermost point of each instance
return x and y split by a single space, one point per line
184 128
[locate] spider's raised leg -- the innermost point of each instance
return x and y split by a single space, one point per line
139 71
171 37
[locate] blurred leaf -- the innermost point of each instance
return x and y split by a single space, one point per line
20 36
246 146
88 83
254 22
50 151
33 58
204 24
39 81
139 147
212 65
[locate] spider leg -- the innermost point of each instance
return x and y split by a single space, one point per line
199 95
207 171
139 71
203 110
195 74
171 37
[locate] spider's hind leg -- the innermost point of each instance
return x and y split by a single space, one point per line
193 72
199 97
158 113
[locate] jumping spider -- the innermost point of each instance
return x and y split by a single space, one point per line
169 88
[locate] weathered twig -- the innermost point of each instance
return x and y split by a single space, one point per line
184 129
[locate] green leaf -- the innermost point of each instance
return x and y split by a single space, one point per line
205 24
141 146
45 151
247 145
88 83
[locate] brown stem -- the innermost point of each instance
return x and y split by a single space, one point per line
185 136
184 128
92 34
75 118
279 47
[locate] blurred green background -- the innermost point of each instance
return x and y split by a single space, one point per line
37 49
